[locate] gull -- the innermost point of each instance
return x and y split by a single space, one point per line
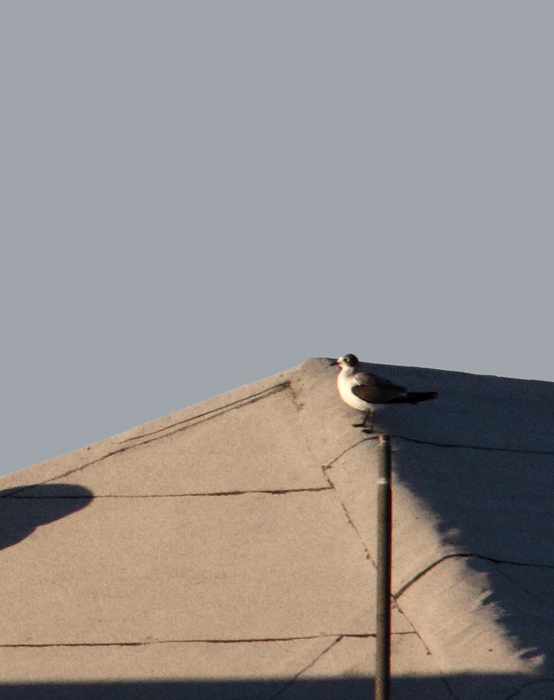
364 390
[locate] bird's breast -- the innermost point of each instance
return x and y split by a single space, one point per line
344 385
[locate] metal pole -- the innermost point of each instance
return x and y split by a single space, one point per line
384 537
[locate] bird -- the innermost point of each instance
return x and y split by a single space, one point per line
364 390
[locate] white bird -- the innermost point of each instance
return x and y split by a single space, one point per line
363 390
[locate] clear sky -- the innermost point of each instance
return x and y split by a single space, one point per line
196 195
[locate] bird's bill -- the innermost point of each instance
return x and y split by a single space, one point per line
335 362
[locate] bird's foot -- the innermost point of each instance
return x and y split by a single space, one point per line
365 421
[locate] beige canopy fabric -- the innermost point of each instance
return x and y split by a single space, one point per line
227 550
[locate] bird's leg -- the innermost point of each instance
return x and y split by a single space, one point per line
369 431
363 423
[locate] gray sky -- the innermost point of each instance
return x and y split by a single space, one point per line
196 195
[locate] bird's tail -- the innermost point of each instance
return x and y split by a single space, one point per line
417 396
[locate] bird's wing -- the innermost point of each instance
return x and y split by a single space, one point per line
378 394
369 379
375 389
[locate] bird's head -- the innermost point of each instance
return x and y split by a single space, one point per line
346 361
